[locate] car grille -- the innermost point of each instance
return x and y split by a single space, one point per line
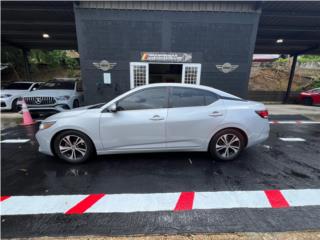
40 100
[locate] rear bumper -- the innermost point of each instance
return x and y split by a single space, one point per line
261 136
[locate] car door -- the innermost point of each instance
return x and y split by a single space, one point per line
193 115
138 123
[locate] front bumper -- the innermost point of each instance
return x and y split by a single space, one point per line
44 139
6 104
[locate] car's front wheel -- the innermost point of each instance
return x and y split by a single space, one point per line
73 146
227 145
15 106
75 104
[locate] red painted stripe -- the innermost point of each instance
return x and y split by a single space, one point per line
185 201
85 204
276 199
2 198
298 122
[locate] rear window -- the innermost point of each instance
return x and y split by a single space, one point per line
190 97
54 84
19 86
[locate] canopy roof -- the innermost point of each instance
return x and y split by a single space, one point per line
296 23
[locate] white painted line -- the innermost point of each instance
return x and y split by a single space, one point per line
292 139
135 202
15 141
293 122
302 197
22 205
237 199
153 202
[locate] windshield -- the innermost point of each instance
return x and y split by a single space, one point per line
19 86
55 84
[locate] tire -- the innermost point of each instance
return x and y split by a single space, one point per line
75 104
308 101
217 145
15 107
77 153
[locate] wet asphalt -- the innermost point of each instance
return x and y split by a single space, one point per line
272 165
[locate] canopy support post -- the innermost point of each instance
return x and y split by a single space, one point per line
26 64
293 68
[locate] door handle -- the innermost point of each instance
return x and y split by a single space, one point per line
156 118
215 114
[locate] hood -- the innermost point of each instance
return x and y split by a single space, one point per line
72 113
49 93
12 91
67 114
306 93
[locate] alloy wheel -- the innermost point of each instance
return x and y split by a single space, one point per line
72 147
227 146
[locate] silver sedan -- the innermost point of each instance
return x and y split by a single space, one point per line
157 118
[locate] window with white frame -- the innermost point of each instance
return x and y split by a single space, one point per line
191 73
139 74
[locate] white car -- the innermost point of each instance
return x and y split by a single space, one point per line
157 118
55 96
10 94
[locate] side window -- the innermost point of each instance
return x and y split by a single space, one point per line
190 97
152 98
79 86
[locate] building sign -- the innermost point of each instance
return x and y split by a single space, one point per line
104 65
107 78
227 67
171 57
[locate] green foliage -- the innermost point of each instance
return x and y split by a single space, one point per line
40 61
309 58
302 59
53 59
13 56
315 84
282 60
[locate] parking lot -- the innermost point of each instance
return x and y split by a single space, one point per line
289 159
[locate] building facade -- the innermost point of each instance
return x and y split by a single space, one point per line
126 44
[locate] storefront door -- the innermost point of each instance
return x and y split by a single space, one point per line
140 75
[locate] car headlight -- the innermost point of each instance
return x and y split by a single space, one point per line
45 125
62 98
5 95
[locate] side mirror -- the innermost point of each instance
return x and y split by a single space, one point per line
33 89
113 108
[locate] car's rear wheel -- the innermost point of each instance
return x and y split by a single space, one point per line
227 145
307 101
73 146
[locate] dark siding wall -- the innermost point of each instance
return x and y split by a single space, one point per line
121 35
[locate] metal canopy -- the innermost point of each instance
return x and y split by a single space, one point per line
297 23
23 24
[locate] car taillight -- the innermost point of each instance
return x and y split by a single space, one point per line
263 113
